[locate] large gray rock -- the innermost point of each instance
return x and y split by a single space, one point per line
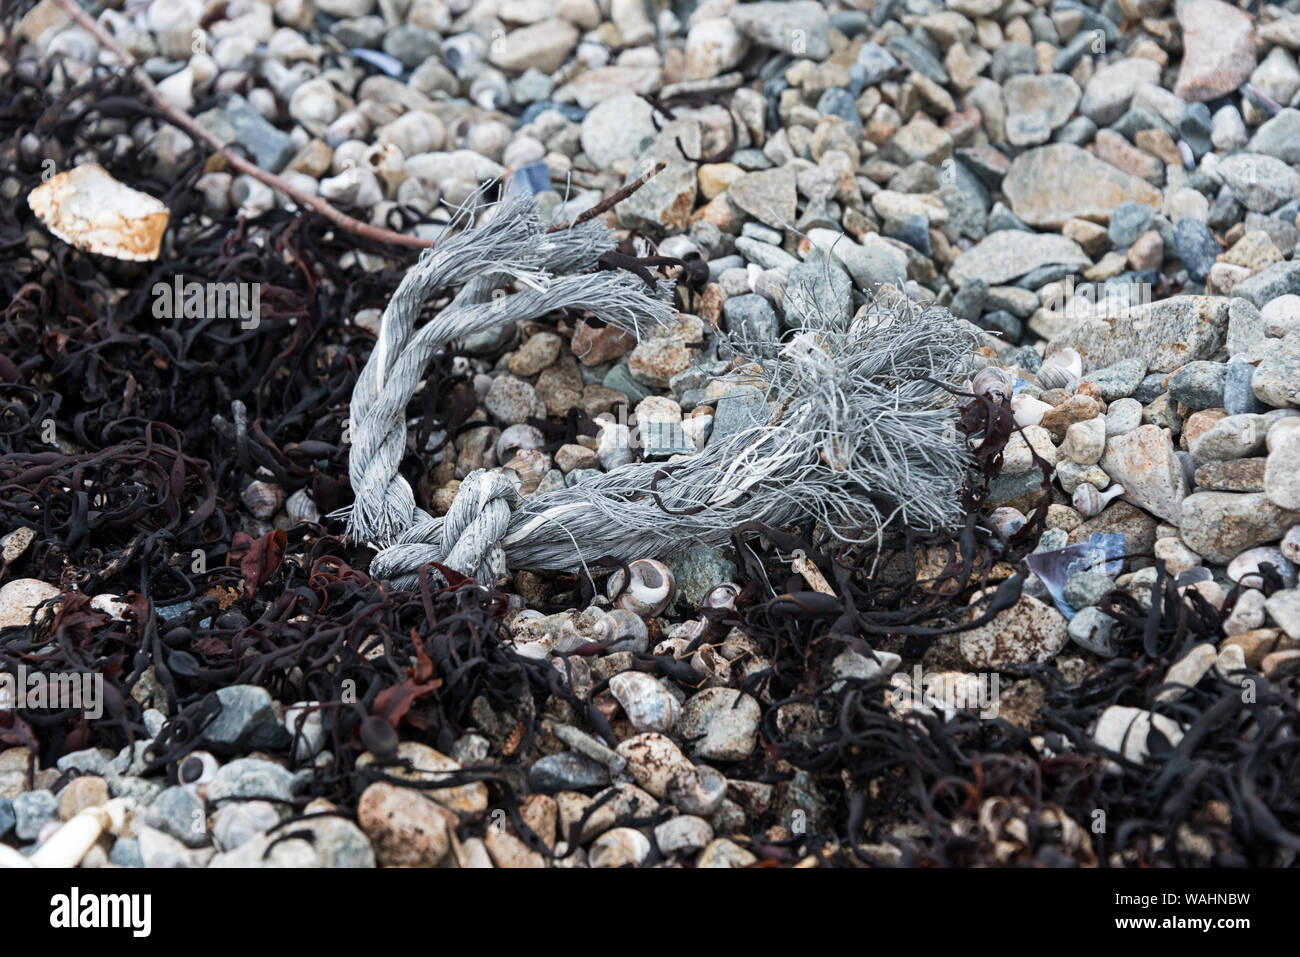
1036 105
768 196
1259 181
1279 137
1144 462
1279 279
666 201
801 28
1053 183
617 129
1010 253
1282 470
237 122
817 288
1276 380
1108 93
1167 334
1222 525
248 717
870 264
1218 50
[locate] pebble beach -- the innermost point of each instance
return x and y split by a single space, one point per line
1099 201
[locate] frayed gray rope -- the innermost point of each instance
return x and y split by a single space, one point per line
513 247
860 436
855 433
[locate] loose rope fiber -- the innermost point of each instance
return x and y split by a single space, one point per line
856 430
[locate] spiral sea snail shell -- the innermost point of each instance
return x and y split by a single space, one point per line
1060 369
722 596
649 591
994 383
1088 501
1006 521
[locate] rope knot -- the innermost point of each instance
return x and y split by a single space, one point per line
476 523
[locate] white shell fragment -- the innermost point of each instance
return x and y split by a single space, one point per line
87 208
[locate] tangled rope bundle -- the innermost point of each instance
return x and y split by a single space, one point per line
859 430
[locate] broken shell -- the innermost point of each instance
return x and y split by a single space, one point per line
87 208
530 465
648 704
591 626
12 858
649 591
1028 410
111 605
517 438
1060 369
1006 521
630 632
994 383
1245 568
306 723
490 90
263 499
1088 501
300 507
463 52
619 847
69 844
672 647
681 247
388 163
688 630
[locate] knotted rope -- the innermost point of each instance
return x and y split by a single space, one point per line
469 539
512 247
852 429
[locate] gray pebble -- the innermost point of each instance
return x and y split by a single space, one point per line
566 771
1238 396
1084 589
1199 385
1094 630
32 810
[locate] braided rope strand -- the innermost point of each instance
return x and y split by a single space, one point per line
510 248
